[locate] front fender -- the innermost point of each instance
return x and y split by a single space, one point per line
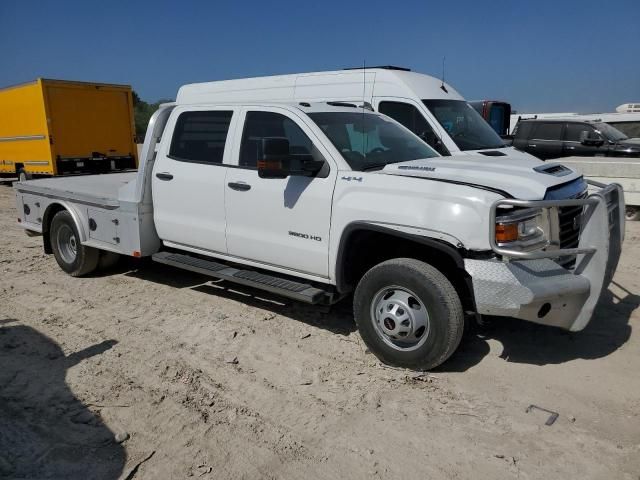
439 241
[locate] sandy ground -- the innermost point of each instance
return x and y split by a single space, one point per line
214 381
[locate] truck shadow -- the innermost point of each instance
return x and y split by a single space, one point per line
522 342
336 319
45 431
526 342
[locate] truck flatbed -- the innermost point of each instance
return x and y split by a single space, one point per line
97 190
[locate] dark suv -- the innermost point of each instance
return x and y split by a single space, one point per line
564 138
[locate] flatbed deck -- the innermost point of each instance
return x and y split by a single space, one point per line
98 190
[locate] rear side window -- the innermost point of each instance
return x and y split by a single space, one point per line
200 137
573 130
547 131
259 125
522 130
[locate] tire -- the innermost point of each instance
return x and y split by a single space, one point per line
632 214
107 260
73 257
23 176
408 289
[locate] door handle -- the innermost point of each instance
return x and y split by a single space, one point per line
533 145
239 186
570 148
164 176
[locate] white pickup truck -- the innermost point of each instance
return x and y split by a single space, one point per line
317 201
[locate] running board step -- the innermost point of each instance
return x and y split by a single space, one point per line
287 288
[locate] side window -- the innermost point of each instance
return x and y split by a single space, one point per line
408 116
522 130
548 131
200 136
411 118
259 125
573 130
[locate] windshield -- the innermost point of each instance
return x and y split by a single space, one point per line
368 141
464 125
610 132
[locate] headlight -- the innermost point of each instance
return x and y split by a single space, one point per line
527 229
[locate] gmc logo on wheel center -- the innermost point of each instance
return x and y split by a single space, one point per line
305 235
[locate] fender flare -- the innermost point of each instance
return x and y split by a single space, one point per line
352 227
47 218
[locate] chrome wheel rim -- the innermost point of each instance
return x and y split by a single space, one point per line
400 318
67 243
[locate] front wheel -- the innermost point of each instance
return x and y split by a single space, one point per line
632 213
73 257
408 314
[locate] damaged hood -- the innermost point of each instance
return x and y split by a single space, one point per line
522 178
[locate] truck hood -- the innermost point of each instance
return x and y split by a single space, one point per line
522 178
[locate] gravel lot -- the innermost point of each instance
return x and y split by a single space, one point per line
212 380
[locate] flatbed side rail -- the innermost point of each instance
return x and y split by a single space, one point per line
612 194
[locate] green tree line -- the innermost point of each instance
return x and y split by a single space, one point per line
142 112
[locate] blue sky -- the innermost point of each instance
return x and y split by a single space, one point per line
562 55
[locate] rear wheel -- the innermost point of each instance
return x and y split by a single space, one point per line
632 213
408 313
73 257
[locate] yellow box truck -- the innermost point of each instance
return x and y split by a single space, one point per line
58 127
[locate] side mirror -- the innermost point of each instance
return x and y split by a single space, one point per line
590 138
274 162
278 162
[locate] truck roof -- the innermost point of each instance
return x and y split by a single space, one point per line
306 107
317 86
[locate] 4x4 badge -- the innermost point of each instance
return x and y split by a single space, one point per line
355 179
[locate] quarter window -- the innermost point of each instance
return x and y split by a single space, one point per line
548 131
259 125
200 136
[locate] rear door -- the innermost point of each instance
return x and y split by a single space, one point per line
279 222
189 178
89 121
546 140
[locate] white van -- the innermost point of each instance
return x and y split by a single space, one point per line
425 105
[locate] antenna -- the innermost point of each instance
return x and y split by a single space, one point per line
442 87
365 136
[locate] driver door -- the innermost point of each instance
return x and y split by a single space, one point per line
572 144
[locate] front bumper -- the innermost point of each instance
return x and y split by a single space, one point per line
531 286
